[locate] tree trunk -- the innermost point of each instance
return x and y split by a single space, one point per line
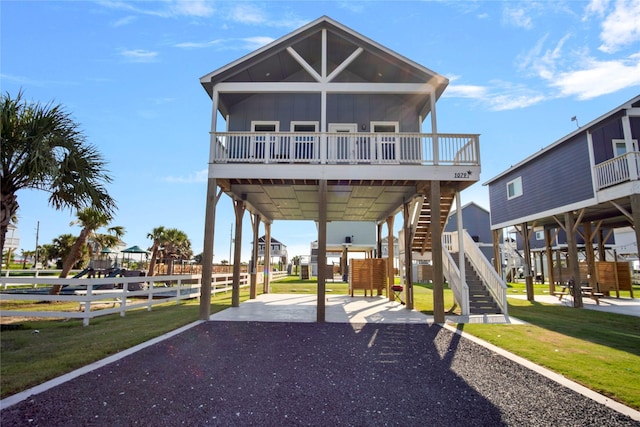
74 255
8 208
152 263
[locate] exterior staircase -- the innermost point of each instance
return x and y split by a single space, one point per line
480 299
421 242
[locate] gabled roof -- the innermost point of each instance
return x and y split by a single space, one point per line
276 63
632 103
263 239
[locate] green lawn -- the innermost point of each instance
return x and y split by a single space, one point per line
598 350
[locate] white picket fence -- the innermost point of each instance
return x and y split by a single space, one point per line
94 302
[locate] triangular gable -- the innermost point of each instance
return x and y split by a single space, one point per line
273 241
351 57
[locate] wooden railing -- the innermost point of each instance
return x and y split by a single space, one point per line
617 170
345 148
149 291
483 267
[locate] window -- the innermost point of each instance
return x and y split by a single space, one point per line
539 235
514 188
620 146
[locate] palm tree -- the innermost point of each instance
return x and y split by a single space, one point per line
90 220
157 235
62 247
176 246
42 148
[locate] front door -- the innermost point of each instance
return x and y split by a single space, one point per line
341 147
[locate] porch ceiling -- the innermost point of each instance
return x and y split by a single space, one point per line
347 200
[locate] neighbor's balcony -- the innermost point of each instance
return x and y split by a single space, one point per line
345 148
615 171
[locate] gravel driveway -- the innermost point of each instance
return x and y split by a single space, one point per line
331 374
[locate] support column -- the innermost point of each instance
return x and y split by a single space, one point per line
390 264
379 240
237 253
322 249
408 263
548 252
591 256
572 259
497 256
527 261
266 280
436 245
207 252
459 225
255 222
635 214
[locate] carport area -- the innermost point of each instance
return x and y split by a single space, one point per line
301 308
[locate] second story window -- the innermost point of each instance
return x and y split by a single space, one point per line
514 188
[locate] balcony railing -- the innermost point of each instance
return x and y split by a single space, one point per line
345 148
618 170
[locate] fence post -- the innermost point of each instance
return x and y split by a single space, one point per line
150 289
178 296
123 300
87 306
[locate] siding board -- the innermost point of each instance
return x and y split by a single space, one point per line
560 177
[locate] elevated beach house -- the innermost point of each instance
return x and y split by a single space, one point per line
586 184
326 125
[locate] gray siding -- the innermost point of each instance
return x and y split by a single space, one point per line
475 220
342 108
602 136
557 178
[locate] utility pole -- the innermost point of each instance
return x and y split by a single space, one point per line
37 234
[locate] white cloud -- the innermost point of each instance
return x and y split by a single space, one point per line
498 96
517 17
124 21
597 7
195 177
201 8
168 9
246 14
139 55
621 27
247 43
598 78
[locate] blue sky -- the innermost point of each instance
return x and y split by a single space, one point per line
129 74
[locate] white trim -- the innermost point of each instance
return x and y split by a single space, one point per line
265 122
343 127
517 187
555 211
383 123
294 123
306 87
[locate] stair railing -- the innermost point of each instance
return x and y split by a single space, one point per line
452 273
487 273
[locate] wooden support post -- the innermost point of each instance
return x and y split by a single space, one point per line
408 263
255 222
322 250
436 245
591 256
390 264
527 261
635 214
548 250
572 259
497 256
266 280
207 253
237 253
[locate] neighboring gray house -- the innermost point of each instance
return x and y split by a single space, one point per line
477 222
587 181
278 250
326 125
